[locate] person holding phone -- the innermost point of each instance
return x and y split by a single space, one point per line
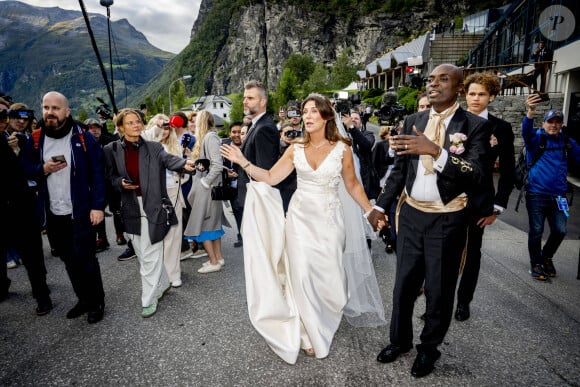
137 168
67 163
547 185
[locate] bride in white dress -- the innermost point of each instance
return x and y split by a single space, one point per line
296 282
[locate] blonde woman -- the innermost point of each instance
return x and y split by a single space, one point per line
159 130
205 222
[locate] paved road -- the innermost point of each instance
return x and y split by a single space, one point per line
521 332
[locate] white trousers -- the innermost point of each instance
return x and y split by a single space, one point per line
154 280
172 241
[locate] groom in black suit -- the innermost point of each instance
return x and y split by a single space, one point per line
262 143
433 174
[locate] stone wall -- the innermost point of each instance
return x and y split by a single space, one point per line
512 109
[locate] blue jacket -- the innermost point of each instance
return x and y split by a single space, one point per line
548 175
87 178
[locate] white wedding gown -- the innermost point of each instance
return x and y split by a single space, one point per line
296 282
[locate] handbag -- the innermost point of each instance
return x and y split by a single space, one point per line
224 190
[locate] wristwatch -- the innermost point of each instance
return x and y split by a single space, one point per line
496 212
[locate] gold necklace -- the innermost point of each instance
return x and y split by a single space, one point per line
321 145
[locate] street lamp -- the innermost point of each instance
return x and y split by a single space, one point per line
107 4
171 84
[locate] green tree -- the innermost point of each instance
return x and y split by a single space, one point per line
82 115
343 72
237 110
286 87
318 80
178 96
301 66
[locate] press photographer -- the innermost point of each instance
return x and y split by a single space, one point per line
19 125
390 113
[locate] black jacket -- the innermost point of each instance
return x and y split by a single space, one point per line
462 173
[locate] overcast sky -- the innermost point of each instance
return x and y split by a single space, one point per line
166 23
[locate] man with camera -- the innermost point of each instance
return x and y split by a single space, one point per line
17 206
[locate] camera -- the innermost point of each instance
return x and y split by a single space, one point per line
16 114
292 134
293 113
104 110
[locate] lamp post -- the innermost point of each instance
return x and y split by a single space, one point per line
171 84
107 4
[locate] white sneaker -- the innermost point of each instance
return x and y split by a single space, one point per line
185 255
209 268
220 261
199 254
11 265
176 284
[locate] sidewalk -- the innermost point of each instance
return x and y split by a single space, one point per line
522 332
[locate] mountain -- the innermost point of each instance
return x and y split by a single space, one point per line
43 49
233 41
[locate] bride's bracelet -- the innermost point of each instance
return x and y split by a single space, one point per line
247 165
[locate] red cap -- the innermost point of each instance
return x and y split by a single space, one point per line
176 122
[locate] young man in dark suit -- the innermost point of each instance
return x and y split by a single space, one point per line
261 146
440 158
485 204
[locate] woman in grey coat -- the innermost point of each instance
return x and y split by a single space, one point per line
205 222
137 168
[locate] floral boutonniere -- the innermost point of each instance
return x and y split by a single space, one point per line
456 140
493 141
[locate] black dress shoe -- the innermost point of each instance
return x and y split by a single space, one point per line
391 353
43 307
77 311
424 363
96 314
239 243
462 312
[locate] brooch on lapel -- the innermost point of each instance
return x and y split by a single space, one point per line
456 140
493 141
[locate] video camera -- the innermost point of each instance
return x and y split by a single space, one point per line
6 114
390 112
104 110
292 134
342 103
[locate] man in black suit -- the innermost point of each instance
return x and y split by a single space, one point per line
261 146
485 204
441 156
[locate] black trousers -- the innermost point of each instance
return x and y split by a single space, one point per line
24 235
75 241
429 248
468 281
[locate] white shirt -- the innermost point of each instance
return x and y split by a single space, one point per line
425 186
58 183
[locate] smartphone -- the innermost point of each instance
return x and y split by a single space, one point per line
545 97
128 181
394 132
58 159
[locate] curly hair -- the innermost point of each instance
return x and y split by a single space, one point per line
488 80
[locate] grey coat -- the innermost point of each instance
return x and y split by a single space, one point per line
206 214
153 161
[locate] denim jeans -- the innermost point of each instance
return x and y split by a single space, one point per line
541 207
